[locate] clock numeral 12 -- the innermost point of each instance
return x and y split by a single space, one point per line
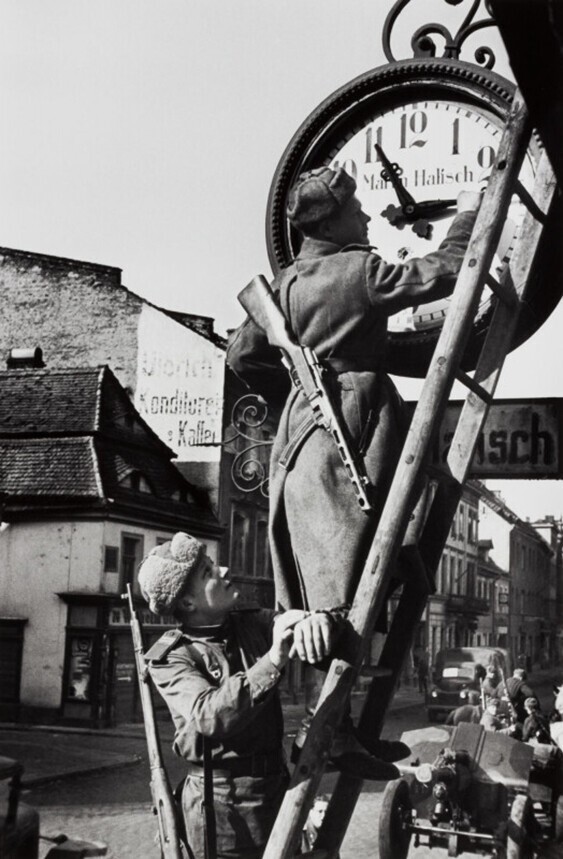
416 123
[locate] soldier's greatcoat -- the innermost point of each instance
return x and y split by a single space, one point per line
337 301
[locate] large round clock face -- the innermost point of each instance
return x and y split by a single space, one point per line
441 123
439 147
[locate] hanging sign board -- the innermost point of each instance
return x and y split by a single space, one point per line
521 439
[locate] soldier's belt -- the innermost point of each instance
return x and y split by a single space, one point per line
253 766
349 365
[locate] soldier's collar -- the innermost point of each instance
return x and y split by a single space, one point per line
317 248
370 248
216 631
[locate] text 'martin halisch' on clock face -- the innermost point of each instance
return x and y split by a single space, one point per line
424 153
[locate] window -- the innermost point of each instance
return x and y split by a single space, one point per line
262 566
111 559
183 495
443 577
472 527
461 521
80 667
137 482
131 557
239 544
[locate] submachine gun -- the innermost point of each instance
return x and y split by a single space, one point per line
164 805
307 373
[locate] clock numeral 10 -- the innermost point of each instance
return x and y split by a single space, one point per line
349 165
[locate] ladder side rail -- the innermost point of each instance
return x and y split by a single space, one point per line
448 494
371 592
503 326
348 787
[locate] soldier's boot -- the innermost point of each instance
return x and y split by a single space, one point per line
370 758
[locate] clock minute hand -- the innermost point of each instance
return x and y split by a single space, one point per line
391 173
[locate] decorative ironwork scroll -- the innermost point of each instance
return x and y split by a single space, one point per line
423 45
250 466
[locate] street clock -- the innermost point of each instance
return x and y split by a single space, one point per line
413 134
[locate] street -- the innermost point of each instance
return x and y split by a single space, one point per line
115 806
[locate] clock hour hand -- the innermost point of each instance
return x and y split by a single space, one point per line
391 173
429 208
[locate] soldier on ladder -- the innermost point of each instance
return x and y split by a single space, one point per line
336 298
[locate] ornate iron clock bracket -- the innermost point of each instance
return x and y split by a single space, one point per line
424 45
250 471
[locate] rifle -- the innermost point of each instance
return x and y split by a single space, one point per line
306 372
164 805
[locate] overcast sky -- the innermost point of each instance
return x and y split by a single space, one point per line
144 134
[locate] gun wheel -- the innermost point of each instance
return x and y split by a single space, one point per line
394 832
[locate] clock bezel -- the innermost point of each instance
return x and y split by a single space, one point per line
346 112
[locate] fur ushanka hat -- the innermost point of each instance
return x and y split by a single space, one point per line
165 571
318 194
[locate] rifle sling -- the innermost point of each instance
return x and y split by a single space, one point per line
208 801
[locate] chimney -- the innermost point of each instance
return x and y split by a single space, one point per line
25 358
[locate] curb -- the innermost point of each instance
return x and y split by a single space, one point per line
48 779
71 729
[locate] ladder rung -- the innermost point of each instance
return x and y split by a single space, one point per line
530 203
474 386
502 291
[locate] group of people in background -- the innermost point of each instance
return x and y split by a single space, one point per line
510 706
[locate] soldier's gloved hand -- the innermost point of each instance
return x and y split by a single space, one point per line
313 637
468 201
282 636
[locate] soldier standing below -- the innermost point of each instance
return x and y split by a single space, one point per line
490 685
536 724
336 297
516 691
219 673
470 712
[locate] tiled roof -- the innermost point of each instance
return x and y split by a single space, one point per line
63 439
53 467
49 401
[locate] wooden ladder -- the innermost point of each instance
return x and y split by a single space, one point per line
372 589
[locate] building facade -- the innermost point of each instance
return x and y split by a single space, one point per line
171 363
456 609
533 587
88 489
